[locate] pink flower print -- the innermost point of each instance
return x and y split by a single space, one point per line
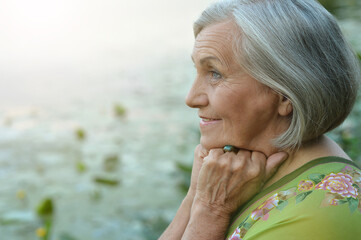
339 183
235 235
305 185
265 208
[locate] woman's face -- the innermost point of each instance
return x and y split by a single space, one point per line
234 108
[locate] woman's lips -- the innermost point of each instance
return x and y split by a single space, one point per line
208 121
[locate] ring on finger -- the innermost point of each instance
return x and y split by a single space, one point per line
229 148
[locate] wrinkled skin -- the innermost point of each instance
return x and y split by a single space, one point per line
225 181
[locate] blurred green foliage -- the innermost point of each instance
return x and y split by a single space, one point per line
45 211
66 236
111 163
80 166
119 110
80 134
45 208
106 181
343 8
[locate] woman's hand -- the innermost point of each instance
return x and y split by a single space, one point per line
228 180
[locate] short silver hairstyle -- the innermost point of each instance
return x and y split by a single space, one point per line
296 48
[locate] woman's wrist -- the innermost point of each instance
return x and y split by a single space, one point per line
188 202
214 211
213 221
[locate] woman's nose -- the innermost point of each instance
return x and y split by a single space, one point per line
197 96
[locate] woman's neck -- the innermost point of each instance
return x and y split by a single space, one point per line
317 148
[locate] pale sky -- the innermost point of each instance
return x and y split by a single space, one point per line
43 42
45 33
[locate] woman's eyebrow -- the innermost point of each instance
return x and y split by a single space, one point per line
207 59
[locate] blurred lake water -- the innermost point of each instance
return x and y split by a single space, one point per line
92 115
41 156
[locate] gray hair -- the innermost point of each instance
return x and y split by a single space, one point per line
296 48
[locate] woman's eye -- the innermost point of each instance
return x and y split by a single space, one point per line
216 75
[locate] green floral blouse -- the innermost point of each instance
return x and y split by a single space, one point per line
321 200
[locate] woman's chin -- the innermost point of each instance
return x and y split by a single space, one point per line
210 143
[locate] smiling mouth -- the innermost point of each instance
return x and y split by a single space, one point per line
207 121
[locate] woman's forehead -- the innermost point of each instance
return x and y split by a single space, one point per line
215 42
224 30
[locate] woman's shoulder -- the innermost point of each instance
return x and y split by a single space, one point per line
321 200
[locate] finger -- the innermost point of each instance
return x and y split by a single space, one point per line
257 165
227 159
240 159
274 162
258 157
215 153
244 154
200 152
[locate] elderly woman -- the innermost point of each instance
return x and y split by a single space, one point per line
273 76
